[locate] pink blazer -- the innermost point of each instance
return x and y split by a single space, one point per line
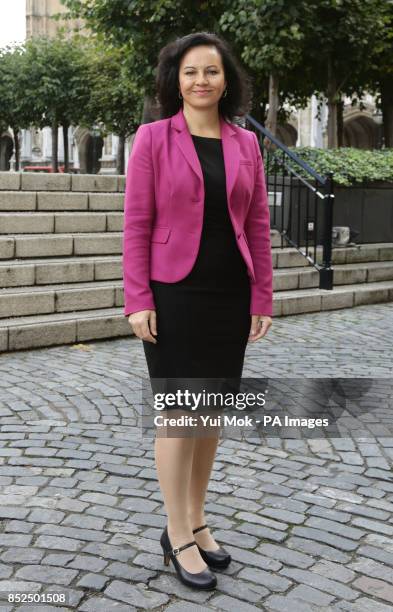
163 210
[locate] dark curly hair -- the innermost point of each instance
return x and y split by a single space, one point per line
238 100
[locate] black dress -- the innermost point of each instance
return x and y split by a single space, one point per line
203 320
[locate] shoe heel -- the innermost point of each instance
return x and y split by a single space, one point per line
166 559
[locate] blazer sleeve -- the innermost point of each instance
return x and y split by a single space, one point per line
257 230
139 210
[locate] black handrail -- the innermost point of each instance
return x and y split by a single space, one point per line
296 217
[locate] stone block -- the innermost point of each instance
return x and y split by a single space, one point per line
17 200
371 296
102 327
114 222
295 305
121 182
80 222
106 201
43 246
64 272
331 300
10 180
94 182
7 246
106 270
23 223
20 304
84 298
41 334
98 245
42 181
16 275
3 339
62 201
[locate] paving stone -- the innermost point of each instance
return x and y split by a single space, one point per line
53 542
87 562
285 555
251 558
135 595
129 572
171 585
262 532
319 582
315 548
46 573
334 527
376 553
325 537
94 582
104 604
43 515
58 559
372 568
271 581
22 555
279 603
311 595
224 602
374 587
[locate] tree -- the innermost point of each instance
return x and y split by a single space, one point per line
58 85
115 100
16 111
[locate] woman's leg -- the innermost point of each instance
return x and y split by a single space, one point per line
174 460
203 458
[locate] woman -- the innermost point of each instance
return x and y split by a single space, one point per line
197 264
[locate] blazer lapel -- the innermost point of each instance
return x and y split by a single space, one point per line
230 146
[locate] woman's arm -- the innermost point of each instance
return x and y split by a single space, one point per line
139 210
257 230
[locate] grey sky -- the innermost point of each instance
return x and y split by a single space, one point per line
12 21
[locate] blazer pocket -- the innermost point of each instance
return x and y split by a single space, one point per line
160 234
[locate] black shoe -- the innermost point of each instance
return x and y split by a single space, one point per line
202 580
219 558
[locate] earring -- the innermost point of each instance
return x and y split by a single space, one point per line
180 96
225 93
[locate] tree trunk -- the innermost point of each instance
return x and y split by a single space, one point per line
150 110
65 142
54 146
387 112
120 165
340 123
15 131
271 121
332 106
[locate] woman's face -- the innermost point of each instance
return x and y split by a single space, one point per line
201 76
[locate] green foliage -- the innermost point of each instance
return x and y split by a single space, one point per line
350 166
116 99
58 79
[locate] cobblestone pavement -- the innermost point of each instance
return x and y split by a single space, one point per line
309 523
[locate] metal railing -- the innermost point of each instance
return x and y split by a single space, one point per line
305 200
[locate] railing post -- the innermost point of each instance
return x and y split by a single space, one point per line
326 272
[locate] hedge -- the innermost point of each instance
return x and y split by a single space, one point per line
350 166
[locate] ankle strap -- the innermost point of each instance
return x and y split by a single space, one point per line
199 529
176 551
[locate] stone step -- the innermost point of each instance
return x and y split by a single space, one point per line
68 244
60 201
34 300
44 271
55 245
81 326
343 296
60 222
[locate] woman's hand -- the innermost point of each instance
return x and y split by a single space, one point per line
259 326
144 324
